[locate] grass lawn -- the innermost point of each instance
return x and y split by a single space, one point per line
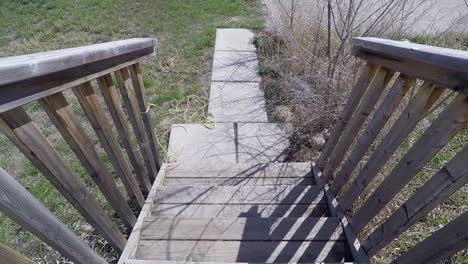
176 79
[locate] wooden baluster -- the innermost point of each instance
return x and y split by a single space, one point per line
131 105
447 124
59 111
97 117
446 241
359 89
436 190
140 92
11 256
18 204
380 118
20 129
120 120
369 100
414 112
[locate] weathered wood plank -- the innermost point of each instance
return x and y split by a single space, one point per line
446 241
23 92
357 92
238 181
436 190
365 107
120 121
244 251
380 118
139 261
11 256
413 113
241 210
131 105
20 129
18 204
447 124
240 195
140 93
357 251
241 170
132 244
245 229
98 120
442 66
60 113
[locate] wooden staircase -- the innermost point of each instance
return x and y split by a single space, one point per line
263 213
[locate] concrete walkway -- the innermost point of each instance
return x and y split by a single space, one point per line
241 132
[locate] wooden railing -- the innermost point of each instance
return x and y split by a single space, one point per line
43 77
399 67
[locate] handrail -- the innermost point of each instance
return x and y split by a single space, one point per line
392 70
43 77
26 78
443 66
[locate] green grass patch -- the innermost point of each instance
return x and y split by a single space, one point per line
178 73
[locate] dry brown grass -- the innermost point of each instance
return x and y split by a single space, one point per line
307 80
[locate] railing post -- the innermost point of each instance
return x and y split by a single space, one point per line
18 204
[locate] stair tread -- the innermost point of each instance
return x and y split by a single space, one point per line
285 194
244 251
245 229
238 181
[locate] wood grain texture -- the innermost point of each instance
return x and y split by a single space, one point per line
125 85
446 241
364 109
12 256
18 204
442 66
239 170
245 229
114 105
447 124
60 113
234 181
20 129
244 251
132 245
241 210
98 120
239 195
393 98
357 92
417 108
140 93
436 190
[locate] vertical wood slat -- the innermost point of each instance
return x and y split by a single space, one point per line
446 241
11 256
20 129
413 113
358 90
125 85
436 190
97 117
59 111
139 86
365 107
447 124
18 204
115 108
396 94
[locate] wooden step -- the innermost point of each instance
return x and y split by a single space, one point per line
245 229
238 181
239 195
244 251
241 210
240 170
